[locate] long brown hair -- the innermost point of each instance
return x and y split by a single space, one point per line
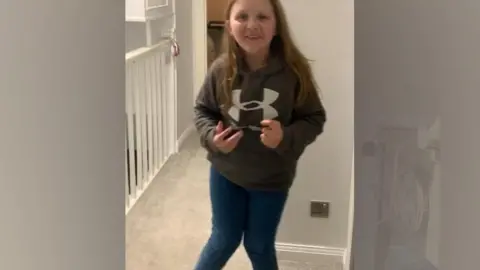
282 44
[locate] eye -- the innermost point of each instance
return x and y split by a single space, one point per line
242 16
262 17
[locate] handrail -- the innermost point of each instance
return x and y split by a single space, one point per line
155 7
144 51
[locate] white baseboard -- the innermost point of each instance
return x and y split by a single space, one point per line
185 134
303 257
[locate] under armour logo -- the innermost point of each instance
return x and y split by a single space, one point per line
269 97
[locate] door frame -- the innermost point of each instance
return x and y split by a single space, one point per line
347 259
199 40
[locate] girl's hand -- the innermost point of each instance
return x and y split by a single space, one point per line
272 133
223 141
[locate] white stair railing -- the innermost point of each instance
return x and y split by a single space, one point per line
150 115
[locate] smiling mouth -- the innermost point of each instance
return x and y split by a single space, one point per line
253 37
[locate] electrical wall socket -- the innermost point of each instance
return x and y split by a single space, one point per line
319 209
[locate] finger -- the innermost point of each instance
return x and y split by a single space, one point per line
264 139
267 131
271 125
219 127
219 140
221 136
233 140
266 123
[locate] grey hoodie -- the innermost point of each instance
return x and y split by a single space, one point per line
267 93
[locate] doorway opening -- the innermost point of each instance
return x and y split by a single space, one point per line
215 28
208 27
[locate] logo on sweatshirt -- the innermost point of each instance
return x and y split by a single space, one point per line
269 97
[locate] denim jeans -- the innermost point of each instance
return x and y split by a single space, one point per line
241 213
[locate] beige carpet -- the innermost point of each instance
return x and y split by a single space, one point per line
168 226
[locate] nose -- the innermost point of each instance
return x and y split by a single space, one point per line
252 23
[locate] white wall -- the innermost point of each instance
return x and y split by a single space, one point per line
62 107
324 30
396 63
460 219
417 63
185 70
135 10
199 43
135 35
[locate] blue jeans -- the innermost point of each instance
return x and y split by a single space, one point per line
240 213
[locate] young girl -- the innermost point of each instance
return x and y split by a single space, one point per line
256 113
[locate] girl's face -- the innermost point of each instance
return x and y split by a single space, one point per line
252 25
